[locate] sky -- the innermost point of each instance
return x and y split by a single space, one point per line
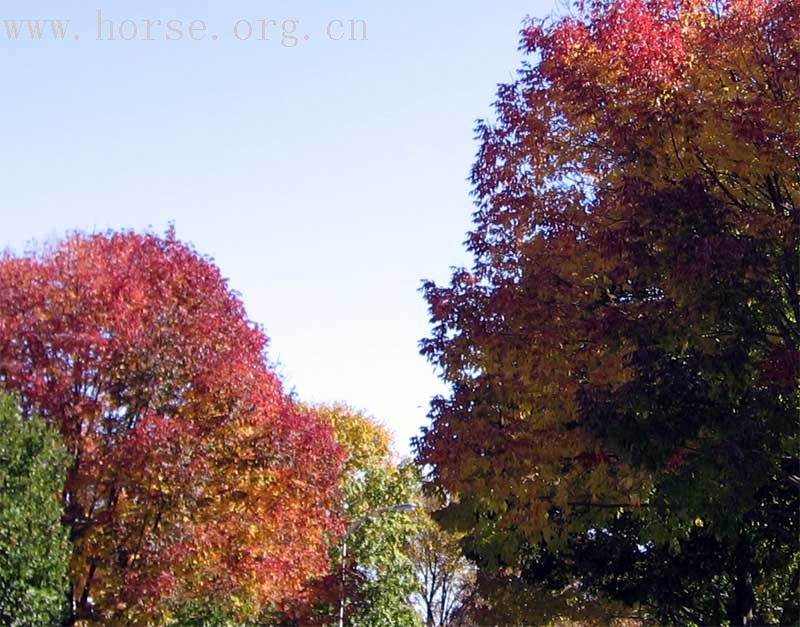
325 174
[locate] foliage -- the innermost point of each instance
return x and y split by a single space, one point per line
34 548
627 339
377 580
446 593
195 477
608 576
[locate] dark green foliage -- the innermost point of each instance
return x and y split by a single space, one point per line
697 577
34 547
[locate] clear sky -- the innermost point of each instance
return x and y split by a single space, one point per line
326 179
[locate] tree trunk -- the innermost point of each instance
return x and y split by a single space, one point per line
743 601
69 614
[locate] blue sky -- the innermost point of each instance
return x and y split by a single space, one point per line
326 180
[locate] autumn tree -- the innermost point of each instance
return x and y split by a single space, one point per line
375 577
34 548
193 476
627 339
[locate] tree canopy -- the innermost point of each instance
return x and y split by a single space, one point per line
619 443
194 477
34 545
375 577
627 339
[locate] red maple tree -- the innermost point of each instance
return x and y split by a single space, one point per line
195 477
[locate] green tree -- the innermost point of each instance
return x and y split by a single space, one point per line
378 548
34 545
376 577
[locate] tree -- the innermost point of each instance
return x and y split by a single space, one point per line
690 580
446 593
34 548
376 577
627 340
194 477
